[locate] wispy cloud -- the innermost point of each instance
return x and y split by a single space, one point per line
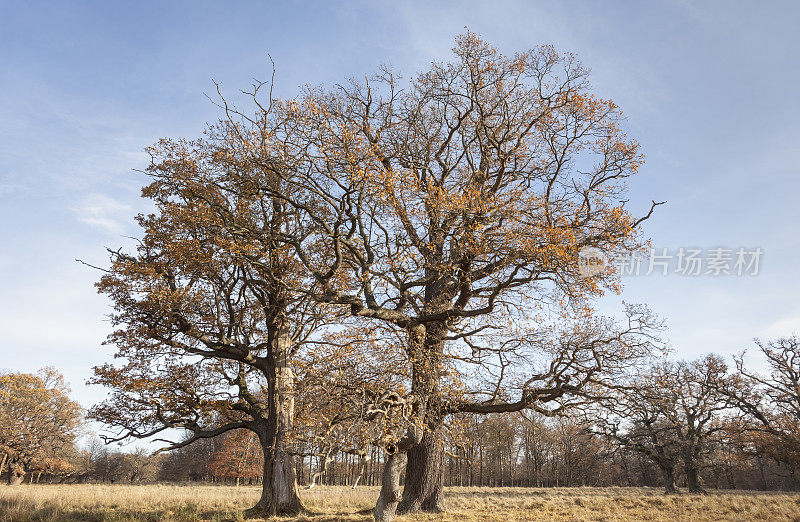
105 213
783 327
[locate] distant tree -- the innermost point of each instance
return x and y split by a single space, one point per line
104 462
38 422
55 467
538 444
238 457
634 420
579 452
189 463
701 410
770 400
671 415
140 465
527 449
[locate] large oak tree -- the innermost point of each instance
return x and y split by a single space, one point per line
671 414
208 326
450 210
452 205
216 327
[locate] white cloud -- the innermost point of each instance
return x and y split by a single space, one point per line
103 212
783 327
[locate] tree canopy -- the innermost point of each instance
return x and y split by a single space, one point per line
37 420
429 229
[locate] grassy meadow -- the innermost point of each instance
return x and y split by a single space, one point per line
90 502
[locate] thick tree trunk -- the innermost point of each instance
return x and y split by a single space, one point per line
424 482
669 481
424 486
279 495
386 507
693 481
279 491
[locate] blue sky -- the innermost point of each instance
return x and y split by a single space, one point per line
709 89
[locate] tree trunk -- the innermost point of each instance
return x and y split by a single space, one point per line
323 467
424 486
279 492
669 480
424 483
362 467
693 481
390 495
16 474
279 495
760 469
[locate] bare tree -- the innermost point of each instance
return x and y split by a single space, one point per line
771 399
634 420
671 415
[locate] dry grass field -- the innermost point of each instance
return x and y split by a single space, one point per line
184 503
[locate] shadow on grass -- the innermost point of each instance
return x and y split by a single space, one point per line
12 511
15 511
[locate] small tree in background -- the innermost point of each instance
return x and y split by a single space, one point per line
38 422
239 457
672 415
770 400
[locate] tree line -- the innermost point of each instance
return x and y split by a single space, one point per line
742 445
